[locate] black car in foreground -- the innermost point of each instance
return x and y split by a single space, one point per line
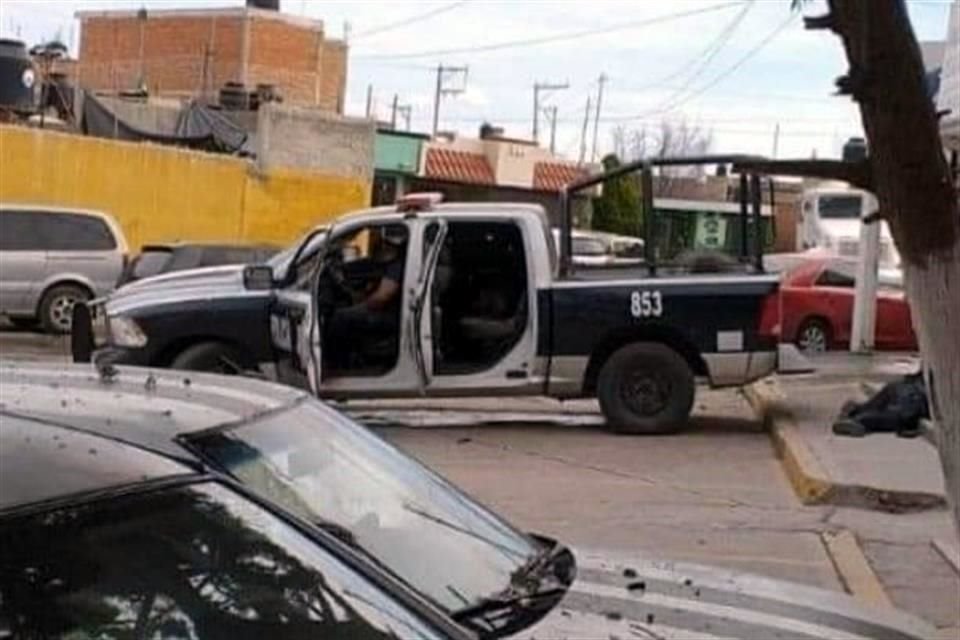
99 539
311 470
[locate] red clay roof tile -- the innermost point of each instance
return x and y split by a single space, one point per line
458 166
553 176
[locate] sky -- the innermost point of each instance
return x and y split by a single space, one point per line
745 71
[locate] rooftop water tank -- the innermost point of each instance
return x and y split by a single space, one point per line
17 77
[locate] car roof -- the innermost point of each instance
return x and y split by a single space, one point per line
145 407
43 208
41 462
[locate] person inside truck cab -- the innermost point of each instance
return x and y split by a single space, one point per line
364 330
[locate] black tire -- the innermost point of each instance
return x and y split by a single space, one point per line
23 323
56 307
814 335
213 357
646 388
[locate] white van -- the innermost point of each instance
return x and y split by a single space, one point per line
830 219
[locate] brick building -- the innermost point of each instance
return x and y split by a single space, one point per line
190 52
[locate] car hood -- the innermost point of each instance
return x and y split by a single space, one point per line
191 284
638 597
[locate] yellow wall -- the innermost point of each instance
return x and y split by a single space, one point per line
161 194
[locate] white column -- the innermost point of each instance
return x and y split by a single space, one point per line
863 331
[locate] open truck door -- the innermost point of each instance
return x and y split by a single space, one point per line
360 326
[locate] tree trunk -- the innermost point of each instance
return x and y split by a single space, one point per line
912 181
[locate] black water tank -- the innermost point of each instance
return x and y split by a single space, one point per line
271 5
17 77
234 96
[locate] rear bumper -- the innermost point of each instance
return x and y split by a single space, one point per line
736 369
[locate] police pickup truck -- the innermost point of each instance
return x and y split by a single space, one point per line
426 298
481 305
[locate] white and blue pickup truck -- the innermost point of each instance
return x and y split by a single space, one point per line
485 307
482 302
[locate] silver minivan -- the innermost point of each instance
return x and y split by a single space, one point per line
51 258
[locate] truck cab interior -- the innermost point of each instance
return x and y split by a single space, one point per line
479 296
360 300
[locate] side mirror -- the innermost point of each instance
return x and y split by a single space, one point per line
258 277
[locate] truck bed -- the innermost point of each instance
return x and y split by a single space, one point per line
640 272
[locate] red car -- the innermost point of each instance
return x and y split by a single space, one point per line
816 311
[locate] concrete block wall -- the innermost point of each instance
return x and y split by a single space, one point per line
176 52
191 51
312 140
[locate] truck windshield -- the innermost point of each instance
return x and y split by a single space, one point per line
840 207
326 468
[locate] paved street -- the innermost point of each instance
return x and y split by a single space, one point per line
714 494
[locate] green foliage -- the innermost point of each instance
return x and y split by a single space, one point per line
618 209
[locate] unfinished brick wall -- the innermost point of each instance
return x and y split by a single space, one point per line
190 53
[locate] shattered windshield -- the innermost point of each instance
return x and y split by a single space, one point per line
324 467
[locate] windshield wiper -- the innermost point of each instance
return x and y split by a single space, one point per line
506 600
540 566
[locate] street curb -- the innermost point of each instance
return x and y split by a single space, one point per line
854 569
813 483
810 481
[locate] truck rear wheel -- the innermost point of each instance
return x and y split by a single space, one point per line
646 387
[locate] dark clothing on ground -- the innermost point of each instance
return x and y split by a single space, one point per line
897 408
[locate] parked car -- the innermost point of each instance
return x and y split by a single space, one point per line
206 433
157 259
600 249
52 258
817 306
99 539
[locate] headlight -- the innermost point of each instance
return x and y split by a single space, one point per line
125 332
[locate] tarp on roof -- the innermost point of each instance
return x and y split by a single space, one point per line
198 127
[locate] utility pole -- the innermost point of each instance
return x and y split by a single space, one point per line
393 113
776 141
405 110
443 91
537 88
552 112
369 100
583 132
602 80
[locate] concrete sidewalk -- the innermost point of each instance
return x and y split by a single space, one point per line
879 471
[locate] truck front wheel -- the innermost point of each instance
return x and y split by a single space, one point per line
646 387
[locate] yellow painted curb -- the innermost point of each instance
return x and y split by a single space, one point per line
811 482
854 569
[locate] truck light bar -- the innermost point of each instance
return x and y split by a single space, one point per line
413 202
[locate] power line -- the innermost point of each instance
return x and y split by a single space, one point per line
570 35
724 74
420 17
711 52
